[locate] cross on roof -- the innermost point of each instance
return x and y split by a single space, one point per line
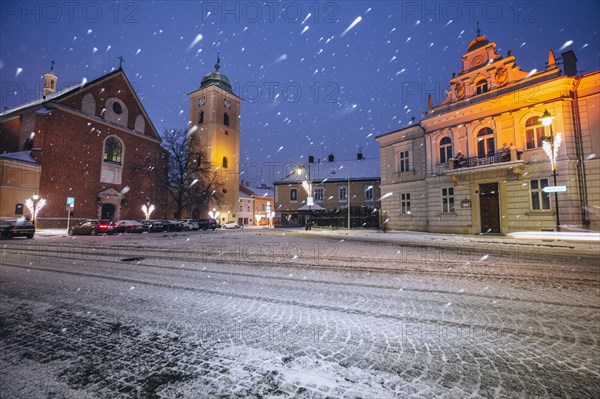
121 61
52 66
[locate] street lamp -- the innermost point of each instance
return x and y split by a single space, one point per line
147 209
269 214
214 214
35 204
307 184
551 145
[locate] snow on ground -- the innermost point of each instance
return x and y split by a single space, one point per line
280 314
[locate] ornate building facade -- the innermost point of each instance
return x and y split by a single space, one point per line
477 162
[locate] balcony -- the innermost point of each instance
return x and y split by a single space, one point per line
496 160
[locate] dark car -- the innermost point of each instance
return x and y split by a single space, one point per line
128 226
206 224
92 227
169 225
152 226
16 228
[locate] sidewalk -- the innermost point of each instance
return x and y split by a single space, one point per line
588 243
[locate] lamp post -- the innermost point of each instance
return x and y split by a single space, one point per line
308 188
35 204
551 145
147 209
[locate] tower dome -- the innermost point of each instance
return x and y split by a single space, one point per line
217 78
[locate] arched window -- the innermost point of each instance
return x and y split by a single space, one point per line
226 119
485 142
201 117
112 150
534 132
481 86
88 104
224 162
445 149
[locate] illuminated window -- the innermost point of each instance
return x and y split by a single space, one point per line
534 132
445 149
485 142
112 150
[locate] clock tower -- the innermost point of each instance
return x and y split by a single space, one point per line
214 130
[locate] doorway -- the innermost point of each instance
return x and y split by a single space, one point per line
108 212
489 207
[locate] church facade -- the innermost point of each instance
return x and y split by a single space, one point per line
481 161
93 142
215 133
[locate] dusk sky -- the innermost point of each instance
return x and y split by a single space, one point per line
316 77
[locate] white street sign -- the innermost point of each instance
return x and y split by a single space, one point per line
555 189
310 202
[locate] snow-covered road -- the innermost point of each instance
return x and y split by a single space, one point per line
269 314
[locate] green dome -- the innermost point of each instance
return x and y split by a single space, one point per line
218 79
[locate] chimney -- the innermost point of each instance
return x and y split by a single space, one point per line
569 63
359 155
331 157
311 159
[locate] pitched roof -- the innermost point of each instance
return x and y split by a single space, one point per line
321 172
20 156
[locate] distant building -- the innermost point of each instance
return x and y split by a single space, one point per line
93 142
254 205
335 184
215 126
476 162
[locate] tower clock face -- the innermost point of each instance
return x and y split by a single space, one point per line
227 103
202 101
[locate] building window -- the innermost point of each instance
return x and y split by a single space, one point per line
405 204
201 117
117 109
343 193
534 132
225 163
540 201
447 199
112 150
485 142
445 149
404 162
19 209
319 194
481 86
226 119
369 193
293 194
241 208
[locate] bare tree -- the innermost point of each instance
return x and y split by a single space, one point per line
192 181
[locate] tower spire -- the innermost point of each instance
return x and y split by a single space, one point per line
52 66
218 64
478 30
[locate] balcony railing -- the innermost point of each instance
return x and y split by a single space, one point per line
496 158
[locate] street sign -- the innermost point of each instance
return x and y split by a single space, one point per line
70 200
555 189
309 201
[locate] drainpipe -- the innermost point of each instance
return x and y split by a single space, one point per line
583 197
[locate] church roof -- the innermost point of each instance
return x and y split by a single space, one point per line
218 79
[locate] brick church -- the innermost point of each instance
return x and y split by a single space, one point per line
93 142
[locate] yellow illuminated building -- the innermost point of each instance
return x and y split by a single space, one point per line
476 163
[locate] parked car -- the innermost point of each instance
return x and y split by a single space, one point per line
152 226
92 227
234 224
190 224
168 225
206 224
128 226
20 227
178 225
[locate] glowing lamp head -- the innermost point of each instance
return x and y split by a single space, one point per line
299 171
546 118
35 197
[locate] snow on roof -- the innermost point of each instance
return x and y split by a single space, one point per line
321 172
20 156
